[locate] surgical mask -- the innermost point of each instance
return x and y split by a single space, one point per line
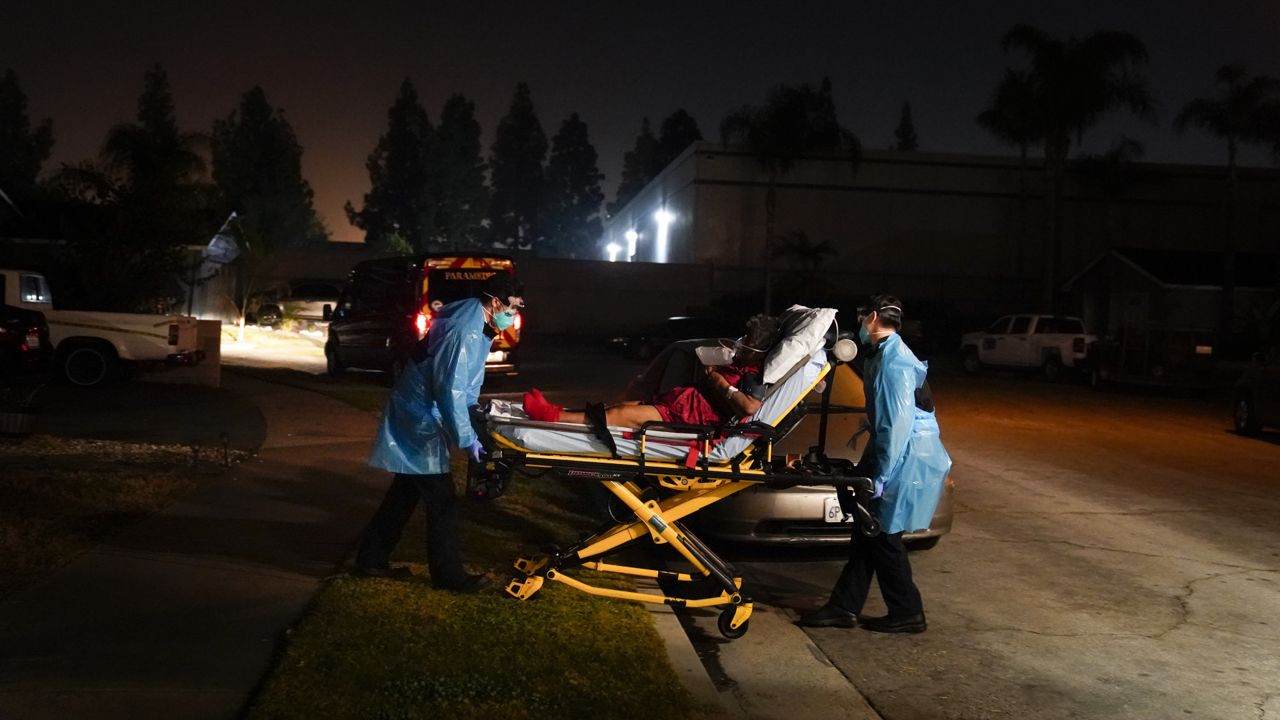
863 336
504 319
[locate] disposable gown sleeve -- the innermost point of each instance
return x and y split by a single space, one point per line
894 404
454 385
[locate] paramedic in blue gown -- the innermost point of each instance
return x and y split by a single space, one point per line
427 413
906 459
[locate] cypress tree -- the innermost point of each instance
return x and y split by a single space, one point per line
573 192
639 166
398 207
518 152
461 199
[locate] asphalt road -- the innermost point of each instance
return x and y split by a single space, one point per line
1113 556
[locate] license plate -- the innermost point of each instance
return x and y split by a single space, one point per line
33 341
831 511
497 356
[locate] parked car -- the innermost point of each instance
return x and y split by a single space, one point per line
645 344
1052 343
301 300
1257 394
386 307
93 348
25 349
798 515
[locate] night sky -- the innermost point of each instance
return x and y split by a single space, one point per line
335 67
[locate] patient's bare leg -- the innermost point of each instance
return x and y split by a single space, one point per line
627 416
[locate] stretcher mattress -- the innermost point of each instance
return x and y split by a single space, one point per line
509 420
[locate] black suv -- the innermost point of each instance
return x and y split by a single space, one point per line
386 306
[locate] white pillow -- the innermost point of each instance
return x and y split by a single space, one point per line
803 330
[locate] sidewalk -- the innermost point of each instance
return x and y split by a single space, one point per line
180 615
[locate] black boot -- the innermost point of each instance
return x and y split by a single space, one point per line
891 624
828 615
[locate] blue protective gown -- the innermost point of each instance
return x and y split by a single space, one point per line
911 464
429 406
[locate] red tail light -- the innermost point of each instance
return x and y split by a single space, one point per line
519 321
422 323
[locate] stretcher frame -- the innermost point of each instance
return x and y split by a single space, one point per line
688 489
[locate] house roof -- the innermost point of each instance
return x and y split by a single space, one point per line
1192 268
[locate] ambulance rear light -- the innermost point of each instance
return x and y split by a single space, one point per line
519 322
422 323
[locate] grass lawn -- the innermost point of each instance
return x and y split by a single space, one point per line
59 497
387 649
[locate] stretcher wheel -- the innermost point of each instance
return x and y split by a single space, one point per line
724 625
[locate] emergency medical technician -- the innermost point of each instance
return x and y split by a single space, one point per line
429 411
906 459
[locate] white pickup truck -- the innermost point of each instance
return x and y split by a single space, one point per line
92 348
1049 342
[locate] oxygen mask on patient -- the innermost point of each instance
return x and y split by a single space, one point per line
714 355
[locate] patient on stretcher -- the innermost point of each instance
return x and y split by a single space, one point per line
724 392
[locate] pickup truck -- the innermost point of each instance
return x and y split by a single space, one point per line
93 348
1051 343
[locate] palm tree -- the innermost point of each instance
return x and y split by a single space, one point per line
1074 83
794 122
1244 112
1012 119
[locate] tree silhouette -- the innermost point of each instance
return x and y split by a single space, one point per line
128 217
1244 112
1074 83
461 198
679 130
519 149
573 192
398 207
905 139
23 148
257 168
1013 118
639 166
794 121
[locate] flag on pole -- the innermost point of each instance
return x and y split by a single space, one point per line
223 248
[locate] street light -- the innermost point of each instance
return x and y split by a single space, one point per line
663 219
613 249
632 238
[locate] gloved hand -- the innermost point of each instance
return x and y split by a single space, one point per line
879 489
476 450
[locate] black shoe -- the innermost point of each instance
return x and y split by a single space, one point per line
890 624
385 572
828 616
470 584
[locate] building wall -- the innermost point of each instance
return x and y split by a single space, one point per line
940 216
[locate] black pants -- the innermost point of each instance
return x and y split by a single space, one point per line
444 558
885 557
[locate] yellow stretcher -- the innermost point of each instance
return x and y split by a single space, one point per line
661 493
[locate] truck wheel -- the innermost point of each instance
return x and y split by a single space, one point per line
89 364
332 360
1245 418
1052 368
972 364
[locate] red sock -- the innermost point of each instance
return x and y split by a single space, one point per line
537 407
